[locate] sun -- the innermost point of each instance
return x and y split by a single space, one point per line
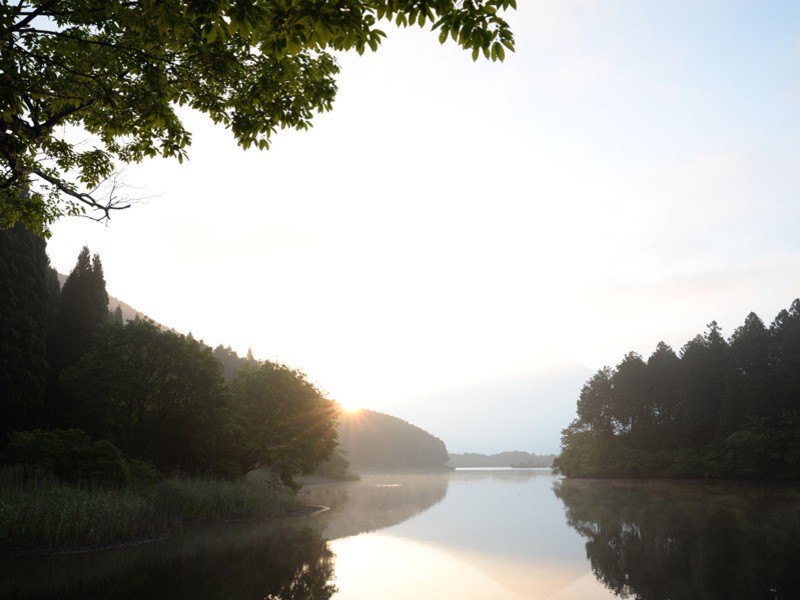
349 408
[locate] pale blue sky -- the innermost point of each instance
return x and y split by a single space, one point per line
630 174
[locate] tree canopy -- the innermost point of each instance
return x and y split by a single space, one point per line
122 401
720 408
280 421
117 70
155 394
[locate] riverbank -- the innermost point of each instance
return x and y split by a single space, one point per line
50 516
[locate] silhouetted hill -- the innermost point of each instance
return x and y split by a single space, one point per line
374 440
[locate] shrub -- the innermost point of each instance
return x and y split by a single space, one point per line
69 455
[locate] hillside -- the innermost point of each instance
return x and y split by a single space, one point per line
374 440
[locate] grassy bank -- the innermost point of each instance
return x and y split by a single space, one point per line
51 516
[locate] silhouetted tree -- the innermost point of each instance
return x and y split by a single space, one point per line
749 375
155 394
116 317
26 300
723 409
785 357
703 385
595 406
83 306
281 421
630 398
663 375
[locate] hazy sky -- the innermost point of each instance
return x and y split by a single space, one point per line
630 174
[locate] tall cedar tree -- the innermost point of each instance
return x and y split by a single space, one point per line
83 306
26 296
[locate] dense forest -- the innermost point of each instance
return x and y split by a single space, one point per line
373 440
514 459
718 408
85 396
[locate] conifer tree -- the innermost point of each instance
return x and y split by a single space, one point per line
116 317
785 356
84 306
25 300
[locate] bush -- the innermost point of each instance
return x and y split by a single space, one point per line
69 455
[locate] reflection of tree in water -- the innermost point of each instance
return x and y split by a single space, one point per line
261 562
382 500
654 541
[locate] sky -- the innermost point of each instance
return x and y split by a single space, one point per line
626 177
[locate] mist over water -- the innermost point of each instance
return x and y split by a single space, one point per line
512 533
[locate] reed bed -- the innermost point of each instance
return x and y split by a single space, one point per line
51 516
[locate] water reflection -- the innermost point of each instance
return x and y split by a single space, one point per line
239 561
465 535
378 501
242 561
498 534
677 541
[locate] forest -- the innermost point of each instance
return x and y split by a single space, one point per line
719 408
87 398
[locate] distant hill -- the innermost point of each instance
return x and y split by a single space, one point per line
373 440
503 459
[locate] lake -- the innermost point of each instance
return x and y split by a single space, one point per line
483 534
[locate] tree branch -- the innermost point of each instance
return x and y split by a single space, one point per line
29 16
86 197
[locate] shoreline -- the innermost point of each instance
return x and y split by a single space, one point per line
300 511
57 518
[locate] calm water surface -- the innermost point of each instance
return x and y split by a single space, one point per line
480 534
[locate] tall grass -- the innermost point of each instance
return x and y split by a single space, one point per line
50 516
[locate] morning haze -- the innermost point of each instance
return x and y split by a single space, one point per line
541 235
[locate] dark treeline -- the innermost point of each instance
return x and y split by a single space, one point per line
718 408
85 396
